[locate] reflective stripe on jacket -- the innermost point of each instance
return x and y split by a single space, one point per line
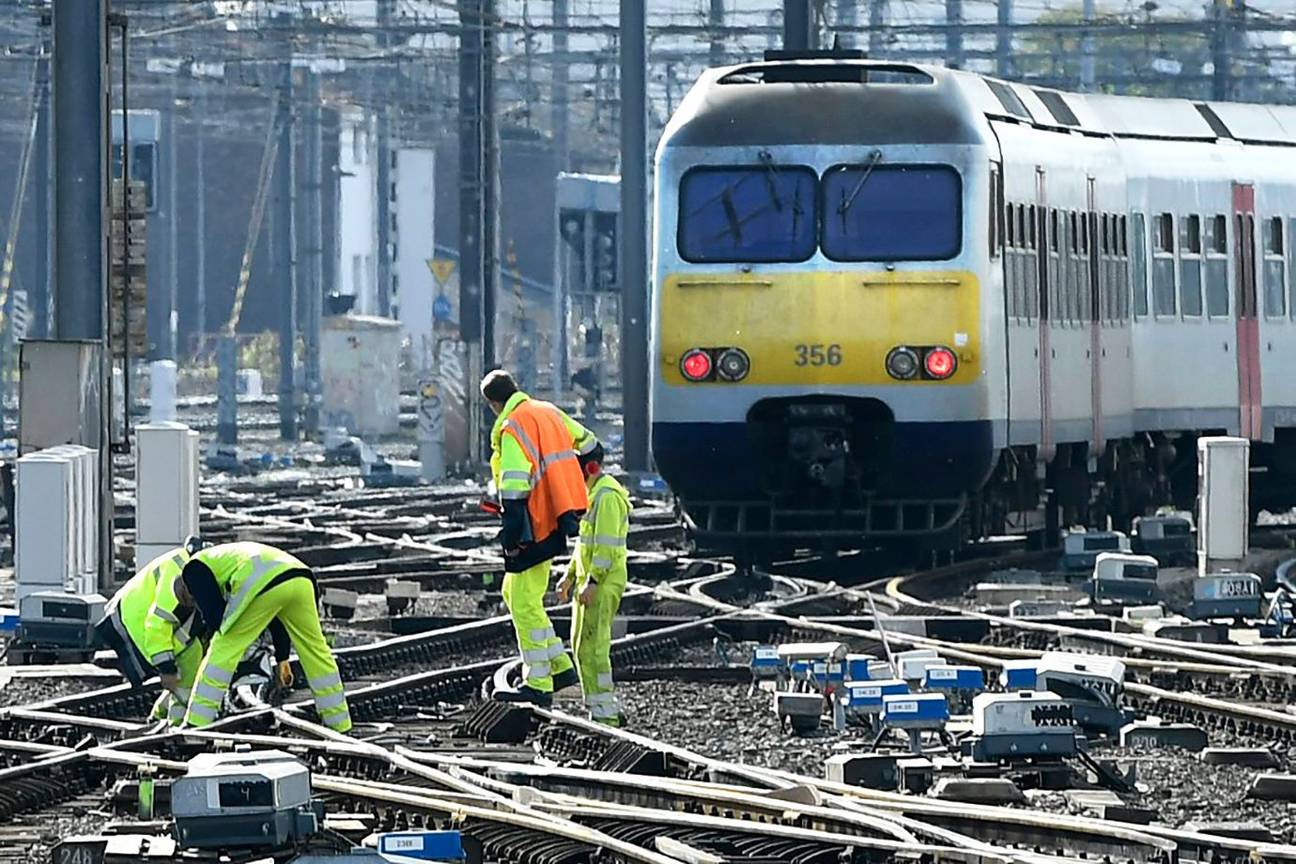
534 448
601 550
134 600
242 571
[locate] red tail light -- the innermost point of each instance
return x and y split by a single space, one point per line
696 365
940 363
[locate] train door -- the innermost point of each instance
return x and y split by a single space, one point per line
1001 248
1095 316
1043 244
1248 323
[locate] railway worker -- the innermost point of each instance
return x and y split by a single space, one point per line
534 447
150 625
597 573
243 589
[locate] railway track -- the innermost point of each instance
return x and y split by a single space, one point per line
565 790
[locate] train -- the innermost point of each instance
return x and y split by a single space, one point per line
901 304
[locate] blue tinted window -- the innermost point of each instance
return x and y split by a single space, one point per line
892 213
747 214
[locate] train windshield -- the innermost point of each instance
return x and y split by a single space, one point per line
742 214
880 212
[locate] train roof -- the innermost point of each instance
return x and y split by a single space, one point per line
856 101
817 102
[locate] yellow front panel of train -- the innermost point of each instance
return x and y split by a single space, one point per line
820 327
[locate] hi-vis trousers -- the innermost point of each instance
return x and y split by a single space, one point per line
592 643
293 603
542 651
172 706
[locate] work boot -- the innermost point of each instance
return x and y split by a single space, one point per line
563 680
524 694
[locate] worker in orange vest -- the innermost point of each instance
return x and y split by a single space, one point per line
534 447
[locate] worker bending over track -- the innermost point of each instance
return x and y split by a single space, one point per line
242 589
150 624
534 448
598 574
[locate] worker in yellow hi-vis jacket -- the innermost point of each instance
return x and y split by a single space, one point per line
597 573
149 623
242 589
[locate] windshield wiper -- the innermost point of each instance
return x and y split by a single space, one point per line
771 179
874 158
731 214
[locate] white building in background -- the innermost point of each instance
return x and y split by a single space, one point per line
413 243
357 211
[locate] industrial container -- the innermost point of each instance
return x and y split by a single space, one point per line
359 367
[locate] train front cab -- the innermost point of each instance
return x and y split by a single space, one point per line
823 360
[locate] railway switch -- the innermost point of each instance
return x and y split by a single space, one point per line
767 666
799 710
402 595
52 623
913 665
244 800
960 683
1093 686
1167 537
1022 725
864 667
1227 595
340 603
915 713
1120 576
862 700
1080 549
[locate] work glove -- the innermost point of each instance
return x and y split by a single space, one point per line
564 588
284 674
170 683
587 593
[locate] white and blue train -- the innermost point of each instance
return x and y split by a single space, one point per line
893 301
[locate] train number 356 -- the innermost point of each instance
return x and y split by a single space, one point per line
818 355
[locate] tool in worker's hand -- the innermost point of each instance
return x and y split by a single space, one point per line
490 502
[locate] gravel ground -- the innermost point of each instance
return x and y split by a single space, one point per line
723 722
447 603
24 691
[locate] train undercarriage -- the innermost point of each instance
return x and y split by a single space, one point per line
837 473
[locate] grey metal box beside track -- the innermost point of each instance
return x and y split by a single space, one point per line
232 800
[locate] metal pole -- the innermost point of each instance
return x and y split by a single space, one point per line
286 235
471 212
633 234
383 177
490 191
168 348
81 213
1004 67
200 221
1221 85
1087 48
877 20
558 115
716 21
314 293
80 168
798 26
40 289
847 21
954 57
128 279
